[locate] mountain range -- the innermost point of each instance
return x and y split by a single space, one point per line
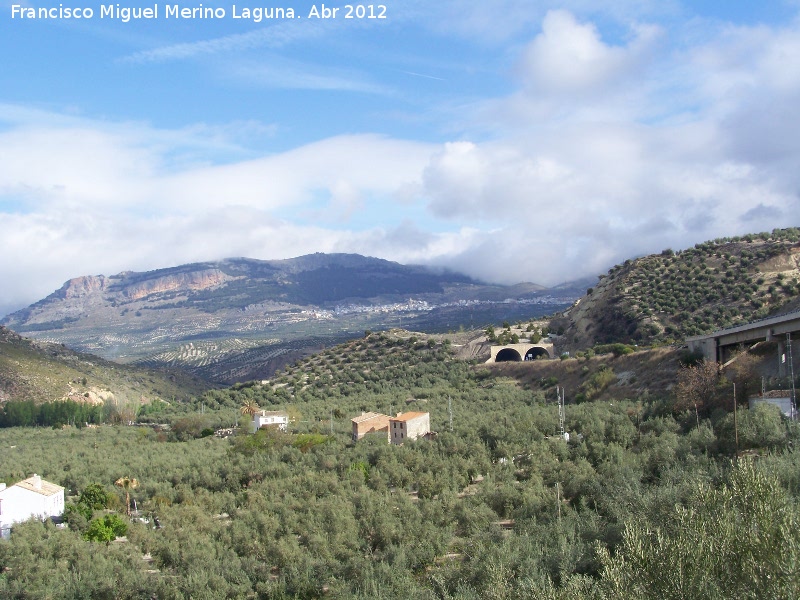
242 318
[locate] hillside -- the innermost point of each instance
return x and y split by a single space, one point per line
398 370
496 505
44 372
663 298
240 319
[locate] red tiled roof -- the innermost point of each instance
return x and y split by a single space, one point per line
368 416
409 416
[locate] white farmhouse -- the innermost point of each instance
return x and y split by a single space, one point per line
267 418
32 497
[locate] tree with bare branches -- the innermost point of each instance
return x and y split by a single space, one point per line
697 388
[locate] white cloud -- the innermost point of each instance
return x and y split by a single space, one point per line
604 151
569 57
276 72
78 197
609 152
272 36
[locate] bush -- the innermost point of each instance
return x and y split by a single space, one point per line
106 529
94 496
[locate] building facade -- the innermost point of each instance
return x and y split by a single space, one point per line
409 426
29 498
370 422
267 418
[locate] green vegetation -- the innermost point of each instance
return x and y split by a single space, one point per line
499 507
666 297
41 372
54 414
106 529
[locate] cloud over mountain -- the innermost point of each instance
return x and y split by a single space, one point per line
609 137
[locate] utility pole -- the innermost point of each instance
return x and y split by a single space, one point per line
450 412
735 422
558 500
791 374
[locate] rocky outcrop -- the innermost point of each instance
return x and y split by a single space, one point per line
194 280
80 287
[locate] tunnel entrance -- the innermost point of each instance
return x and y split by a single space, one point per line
508 355
535 353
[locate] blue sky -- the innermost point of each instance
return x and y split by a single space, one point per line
514 140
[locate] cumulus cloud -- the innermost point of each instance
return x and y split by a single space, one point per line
570 57
603 151
610 152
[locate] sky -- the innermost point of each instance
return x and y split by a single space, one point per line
512 140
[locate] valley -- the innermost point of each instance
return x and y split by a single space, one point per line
241 319
657 444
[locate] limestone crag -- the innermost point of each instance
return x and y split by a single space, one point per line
194 280
80 287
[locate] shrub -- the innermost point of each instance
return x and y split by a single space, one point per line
106 529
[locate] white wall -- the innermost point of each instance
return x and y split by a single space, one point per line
18 504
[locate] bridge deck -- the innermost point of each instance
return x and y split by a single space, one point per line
767 329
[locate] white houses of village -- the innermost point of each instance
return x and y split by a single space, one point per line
32 497
267 418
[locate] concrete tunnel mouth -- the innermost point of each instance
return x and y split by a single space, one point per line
534 353
508 355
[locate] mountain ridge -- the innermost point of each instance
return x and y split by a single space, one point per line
45 372
252 311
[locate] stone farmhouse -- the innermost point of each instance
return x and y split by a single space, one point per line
267 418
29 498
409 426
398 429
370 422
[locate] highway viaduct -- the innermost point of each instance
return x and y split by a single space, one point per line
719 345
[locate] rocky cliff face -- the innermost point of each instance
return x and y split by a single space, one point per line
81 287
196 280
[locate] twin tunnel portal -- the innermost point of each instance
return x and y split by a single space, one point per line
520 352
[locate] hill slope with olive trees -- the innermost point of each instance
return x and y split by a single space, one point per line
663 298
39 372
497 505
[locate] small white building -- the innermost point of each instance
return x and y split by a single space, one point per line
269 418
32 497
780 398
409 426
